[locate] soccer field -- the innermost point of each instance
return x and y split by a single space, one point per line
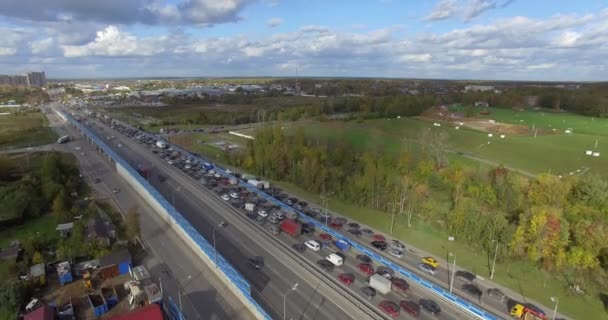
558 153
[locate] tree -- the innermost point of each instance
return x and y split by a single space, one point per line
37 258
60 207
12 295
133 229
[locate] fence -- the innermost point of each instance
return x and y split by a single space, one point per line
185 229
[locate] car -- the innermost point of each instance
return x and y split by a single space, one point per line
364 258
380 245
396 244
299 247
336 259
312 245
353 225
262 213
367 231
390 308
273 220
396 253
400 285
335 225
288 202
225 197
339 220
354 232
170 162
496 294
253 216
259 218
472 290
326 215
234 195
464 275
430 306
256 262
325 236
379 237
308 228
366 268
217 175
187 167
410 307
316 209
273 229
369 292
97 180
115 190
325 265
427 268
347 278
430 261
386 272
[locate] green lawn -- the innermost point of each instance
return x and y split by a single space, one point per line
522 277
19 130
558 154
44 225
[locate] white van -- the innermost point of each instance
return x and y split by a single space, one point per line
335 259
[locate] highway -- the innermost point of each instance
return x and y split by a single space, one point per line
178 270
192 199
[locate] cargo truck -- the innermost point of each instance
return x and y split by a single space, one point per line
380 283
291 227
522 312
161 144
256 183
342 245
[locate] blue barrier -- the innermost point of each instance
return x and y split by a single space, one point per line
457 301
172 310
190 231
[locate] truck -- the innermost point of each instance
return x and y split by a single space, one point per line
161 144
233 180
291 227
140 295
266 184
256 183
63 139
523 312
249 206
380 283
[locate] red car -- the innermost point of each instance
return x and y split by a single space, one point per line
410 307
347 278
390 308
366 268
335 225
325 237
379 237
400 285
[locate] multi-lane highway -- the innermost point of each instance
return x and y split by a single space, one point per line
177 269
204 209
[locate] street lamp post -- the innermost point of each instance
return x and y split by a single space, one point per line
494 262
293 288
556 300
221 225
453 271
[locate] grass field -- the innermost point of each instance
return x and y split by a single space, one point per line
557 153
19 130
430 238
44 225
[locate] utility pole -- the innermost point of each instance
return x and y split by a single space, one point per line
494 262
453 271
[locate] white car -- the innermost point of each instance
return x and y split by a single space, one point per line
426 268
225 197
234 195
396 253
170 161
217 175
115 190
335 259
187 167
120 145
312 245
212 171
263 213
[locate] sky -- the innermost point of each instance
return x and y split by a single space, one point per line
554 40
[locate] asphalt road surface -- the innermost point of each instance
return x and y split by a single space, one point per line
182 274
196 202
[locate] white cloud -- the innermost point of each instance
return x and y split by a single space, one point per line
422 57
467 10
541 66
7 51
274 22
445 9
113 42
42 45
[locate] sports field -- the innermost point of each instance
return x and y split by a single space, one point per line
558 153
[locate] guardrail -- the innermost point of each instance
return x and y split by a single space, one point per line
194 236
461 303
172 310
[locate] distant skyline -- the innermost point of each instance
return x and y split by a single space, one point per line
538 40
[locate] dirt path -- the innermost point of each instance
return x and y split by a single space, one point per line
492 163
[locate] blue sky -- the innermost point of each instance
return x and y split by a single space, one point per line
453 39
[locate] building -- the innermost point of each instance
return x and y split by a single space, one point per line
44 312
481 104
478 88
36 79
118 261
149 312
31 79
101 231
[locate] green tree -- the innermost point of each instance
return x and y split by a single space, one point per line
37 258
133 229
60 206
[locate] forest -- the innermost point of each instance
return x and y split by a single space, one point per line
559 224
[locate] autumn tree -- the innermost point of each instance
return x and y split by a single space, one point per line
133 229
